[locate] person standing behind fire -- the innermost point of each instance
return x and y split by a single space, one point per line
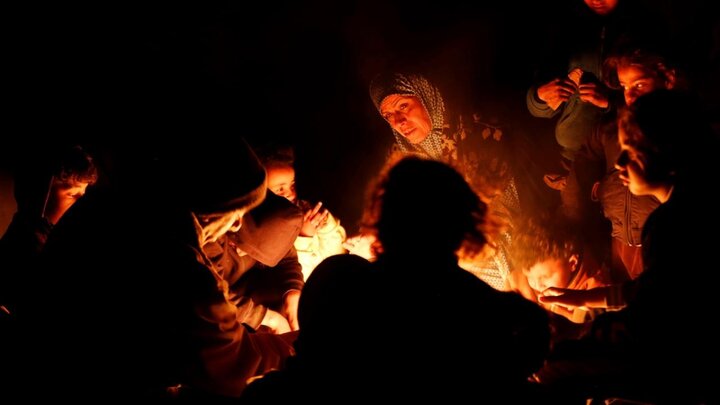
570 85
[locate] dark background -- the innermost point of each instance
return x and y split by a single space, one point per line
143 76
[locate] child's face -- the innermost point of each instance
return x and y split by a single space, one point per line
281 181
633 167
637 81
62 197
549 273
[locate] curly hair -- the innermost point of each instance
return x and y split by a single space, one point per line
75 165
537 240
422 202
276 155
648 60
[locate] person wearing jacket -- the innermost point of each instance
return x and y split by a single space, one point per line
260 265
636 71
126 294
44 193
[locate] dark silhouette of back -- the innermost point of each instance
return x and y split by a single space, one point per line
412 324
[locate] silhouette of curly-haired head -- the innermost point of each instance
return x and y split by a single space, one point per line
425 205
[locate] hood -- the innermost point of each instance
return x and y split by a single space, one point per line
269 230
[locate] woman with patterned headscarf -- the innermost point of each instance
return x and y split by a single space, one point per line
422 124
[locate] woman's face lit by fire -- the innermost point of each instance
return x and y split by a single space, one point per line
407 116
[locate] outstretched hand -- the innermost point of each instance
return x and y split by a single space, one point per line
313 219
570 299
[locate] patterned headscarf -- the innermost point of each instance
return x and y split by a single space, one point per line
387 84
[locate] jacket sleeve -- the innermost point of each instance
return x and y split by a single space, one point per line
537 107
228 355
272 283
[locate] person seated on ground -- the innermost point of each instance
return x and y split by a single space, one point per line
350 346
427 122
43 194
142 308
662 347
261 266
321 235
551 254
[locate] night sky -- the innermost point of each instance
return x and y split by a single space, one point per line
292 71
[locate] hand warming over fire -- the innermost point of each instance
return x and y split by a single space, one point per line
314 219
290 308
592 298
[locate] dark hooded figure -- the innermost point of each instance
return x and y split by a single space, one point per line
127 302
44 191
260 263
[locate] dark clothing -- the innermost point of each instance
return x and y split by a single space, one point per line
20 247
431 329
679 348
663 347
585 40
596 162
126 302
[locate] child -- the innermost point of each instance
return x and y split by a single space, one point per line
321 234
552 256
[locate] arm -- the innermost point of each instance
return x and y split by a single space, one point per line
228 355
279 287
544 101
599 297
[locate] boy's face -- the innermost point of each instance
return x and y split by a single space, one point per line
637 81
549 273
62 197
281 181
632 166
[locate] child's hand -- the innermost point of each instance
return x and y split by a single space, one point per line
314 219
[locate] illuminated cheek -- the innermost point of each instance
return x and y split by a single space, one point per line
533 283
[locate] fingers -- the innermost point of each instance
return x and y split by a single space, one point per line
319 218
553 291
316 208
